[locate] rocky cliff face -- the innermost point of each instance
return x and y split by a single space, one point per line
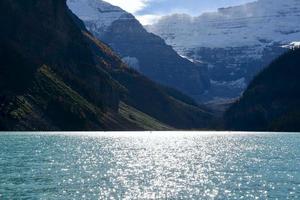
141 50
235 42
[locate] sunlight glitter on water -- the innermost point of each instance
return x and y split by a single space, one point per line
148 133
150 166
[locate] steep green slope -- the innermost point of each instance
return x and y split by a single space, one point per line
35 33
141 119
50 104
71 93
272 100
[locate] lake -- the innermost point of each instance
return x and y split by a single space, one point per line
179 165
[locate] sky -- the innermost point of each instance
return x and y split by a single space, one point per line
149 11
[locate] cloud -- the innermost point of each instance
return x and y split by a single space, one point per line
148 19
191 7
131 6
149 11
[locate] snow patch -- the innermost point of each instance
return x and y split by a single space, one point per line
239 83
132 62
97 15
193 60
292 45
254 24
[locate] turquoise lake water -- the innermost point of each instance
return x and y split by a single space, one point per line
150 166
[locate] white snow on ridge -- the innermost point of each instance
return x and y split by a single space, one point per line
97 12
240 83
257 23
292 45
132 62
193 60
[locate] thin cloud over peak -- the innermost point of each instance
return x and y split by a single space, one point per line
131 6
149 11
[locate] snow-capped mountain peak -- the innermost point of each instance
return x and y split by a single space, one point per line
252 23
99 13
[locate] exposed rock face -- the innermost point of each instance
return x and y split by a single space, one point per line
235 42
129 39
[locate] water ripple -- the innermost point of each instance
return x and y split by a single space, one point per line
150 166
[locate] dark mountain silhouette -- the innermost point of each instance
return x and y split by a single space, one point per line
272 100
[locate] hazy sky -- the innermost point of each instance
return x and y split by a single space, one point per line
148 11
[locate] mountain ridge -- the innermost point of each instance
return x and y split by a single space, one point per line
143 51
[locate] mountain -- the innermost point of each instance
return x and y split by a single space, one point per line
55 75
272 100
143 51
235 42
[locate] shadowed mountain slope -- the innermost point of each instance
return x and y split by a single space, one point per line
272 100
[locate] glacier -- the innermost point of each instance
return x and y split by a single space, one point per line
258 24
235 42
